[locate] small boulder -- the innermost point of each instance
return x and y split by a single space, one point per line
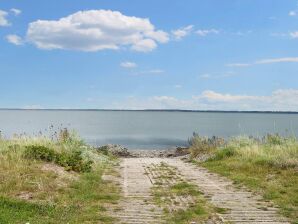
116 150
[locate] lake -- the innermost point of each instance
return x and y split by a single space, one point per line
146 129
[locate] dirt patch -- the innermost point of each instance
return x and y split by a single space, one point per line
63 176
25 195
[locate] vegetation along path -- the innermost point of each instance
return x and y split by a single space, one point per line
142 178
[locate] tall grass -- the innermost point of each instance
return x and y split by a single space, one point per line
267 165
48 178
271 150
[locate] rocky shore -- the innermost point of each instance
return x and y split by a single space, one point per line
121 151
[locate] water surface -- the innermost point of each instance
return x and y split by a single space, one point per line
146 129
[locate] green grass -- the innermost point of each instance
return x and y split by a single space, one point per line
83 201
196 213
268 166
165 195
275 184
185 189
66 193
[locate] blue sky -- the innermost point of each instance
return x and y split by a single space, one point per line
170 54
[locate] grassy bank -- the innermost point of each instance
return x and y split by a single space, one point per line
54 181
268 166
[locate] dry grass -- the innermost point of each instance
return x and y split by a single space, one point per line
43 192
271 150
267 165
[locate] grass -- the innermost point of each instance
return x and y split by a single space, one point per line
268 166
167 195
36 187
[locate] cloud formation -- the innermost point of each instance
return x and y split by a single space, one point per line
294 34
16 12
204 33
3 18
96 30
182 32
14 39
277 60
217 76
149 72
238 65
292 13
265 61
128 64
279 100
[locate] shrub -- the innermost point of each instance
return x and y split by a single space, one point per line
274 139
71 160
224 153
40 152
74 161
203 145
103 149
64 135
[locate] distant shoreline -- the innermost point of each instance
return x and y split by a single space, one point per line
156 110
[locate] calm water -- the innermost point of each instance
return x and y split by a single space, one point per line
146 129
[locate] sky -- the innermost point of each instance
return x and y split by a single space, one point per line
137 54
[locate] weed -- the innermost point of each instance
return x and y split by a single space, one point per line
71 160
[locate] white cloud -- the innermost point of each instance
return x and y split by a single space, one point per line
292 13
217 76
150 72
279 100
279 34
33 107
277 60
182 32
265 61
243 33
272 17
3 19
294 34
96 30
219 97
128 64
144 45
16 12
177 86
238 65
205 76
14 39
155 71
204 33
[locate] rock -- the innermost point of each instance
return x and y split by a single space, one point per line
116 150
121 151
181 151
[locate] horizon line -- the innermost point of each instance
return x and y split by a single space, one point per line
152 110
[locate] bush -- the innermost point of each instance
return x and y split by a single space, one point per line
72 160
274 139
224 153
40 153
103 149
64 135
203 145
